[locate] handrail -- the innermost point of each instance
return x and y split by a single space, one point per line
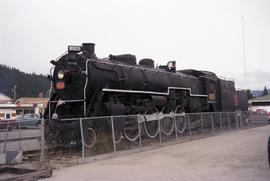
51 82
85 85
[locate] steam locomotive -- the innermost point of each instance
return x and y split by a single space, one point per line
86 86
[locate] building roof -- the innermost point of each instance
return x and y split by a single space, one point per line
16 106
5 99
265 98
33 100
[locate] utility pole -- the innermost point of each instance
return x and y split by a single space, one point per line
14 92
244 52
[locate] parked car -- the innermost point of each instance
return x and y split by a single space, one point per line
28 120
260 111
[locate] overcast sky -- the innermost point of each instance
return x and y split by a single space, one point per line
198 34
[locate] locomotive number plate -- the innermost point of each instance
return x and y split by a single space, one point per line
60 85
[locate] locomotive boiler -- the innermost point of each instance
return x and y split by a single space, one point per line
86 86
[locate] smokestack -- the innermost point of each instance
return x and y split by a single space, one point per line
89 49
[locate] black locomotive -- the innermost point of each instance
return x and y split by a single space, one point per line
88 86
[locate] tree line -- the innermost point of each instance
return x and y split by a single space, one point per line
251 96
27 85
31 85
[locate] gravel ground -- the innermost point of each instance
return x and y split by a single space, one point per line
238 155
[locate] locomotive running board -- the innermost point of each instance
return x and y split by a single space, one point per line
150 92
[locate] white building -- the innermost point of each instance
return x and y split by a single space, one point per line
5 99
260 104
8 107
38 103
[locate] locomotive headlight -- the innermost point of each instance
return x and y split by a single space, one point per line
75 49
60 75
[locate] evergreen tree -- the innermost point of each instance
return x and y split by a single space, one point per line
249 94
27 85
264 91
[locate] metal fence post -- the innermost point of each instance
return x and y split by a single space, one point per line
20 145
113 136
139 131
175 129
49 109
159 130
236 120
212 124
189 125
220 120
229 123
249 118
82 138
241 120
202 122
268 150
42 151
6 137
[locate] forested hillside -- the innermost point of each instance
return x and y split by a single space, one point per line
27 85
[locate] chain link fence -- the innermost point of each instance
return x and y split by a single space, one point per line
18 136
141 131
76 139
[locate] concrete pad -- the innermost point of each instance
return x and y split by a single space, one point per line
238 155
